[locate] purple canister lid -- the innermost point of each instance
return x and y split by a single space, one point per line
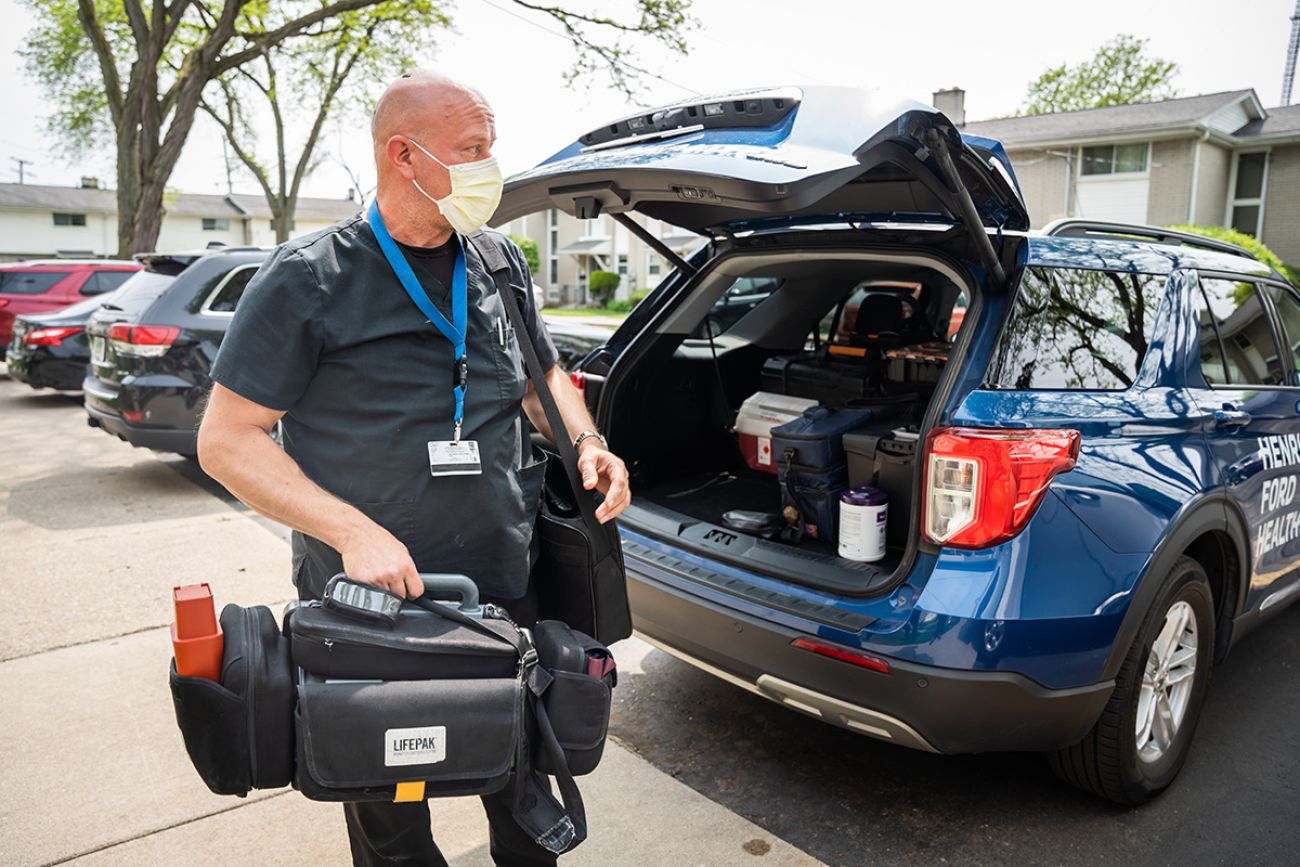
864 495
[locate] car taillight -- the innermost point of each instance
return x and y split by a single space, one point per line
145 341
50 336
982 486
579 380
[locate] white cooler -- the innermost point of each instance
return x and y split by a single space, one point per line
762 411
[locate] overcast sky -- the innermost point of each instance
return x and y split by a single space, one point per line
991 50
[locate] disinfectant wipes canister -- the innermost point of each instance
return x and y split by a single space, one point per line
863 512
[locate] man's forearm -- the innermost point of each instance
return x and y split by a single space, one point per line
573 409
257 471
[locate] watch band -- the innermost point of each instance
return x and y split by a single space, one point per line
578 440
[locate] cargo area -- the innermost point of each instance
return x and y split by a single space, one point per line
777 384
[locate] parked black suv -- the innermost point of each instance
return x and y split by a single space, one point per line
152 346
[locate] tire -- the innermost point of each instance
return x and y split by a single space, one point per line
1118 760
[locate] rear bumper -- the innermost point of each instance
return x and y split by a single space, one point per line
924 707
39 372
181 442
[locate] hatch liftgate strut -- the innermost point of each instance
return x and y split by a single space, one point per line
656 244
970 217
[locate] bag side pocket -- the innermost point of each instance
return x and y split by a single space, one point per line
213 723
578 707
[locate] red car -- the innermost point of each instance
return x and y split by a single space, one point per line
46 285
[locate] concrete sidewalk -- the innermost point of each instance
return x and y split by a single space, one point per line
93 536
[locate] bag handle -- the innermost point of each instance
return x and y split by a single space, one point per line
497 265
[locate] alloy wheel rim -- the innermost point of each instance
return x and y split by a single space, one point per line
1167 683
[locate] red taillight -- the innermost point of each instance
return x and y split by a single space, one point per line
4 302
982 486
143 340
579 380
842 653
50 336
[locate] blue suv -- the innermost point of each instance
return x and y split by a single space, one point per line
1089 435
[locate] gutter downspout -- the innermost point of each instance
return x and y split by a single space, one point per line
1196 176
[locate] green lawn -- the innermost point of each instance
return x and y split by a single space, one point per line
582 311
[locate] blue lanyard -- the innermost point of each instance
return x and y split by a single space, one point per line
454 330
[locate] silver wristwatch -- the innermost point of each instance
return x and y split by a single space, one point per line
578 440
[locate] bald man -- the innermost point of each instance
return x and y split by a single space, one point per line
372 478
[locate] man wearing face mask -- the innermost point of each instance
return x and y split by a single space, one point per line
400 397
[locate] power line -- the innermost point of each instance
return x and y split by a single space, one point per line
614 60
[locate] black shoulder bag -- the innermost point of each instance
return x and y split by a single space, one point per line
579 574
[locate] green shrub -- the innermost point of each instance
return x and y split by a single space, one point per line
620 305
639 294
529 248
601 285
1250 243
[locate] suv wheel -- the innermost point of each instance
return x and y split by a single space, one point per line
1141 740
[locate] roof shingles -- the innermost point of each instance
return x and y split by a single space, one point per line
1115 120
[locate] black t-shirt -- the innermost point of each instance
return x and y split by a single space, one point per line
438 262
326 333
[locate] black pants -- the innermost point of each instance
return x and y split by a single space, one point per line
383 834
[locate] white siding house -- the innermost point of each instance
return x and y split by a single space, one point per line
42 221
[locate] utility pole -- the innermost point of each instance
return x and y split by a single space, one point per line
1288 77
23 164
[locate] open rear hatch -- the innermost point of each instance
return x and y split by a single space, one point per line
717 164
720 166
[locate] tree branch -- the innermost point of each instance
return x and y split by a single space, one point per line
285 31
90 23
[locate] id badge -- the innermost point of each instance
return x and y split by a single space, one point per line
447 458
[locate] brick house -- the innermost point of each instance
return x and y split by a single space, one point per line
1217 159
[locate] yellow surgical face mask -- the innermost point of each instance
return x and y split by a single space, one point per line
475 192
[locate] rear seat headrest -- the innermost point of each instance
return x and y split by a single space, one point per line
879 314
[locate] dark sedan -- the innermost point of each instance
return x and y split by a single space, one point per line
49 350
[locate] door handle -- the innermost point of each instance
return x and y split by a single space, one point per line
1228 419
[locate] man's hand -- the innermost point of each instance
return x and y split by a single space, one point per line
604 470
375 556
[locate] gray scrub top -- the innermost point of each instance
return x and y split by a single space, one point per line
325 332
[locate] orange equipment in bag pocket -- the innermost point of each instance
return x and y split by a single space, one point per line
196 635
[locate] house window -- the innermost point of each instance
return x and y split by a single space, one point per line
553 267
1247 205
622 264
69 219
554 217
1114 159
216 224
652 264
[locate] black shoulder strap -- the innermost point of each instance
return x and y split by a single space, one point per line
497 265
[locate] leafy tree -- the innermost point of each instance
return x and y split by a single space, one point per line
529 248
135 74
310 74
1120 73
602 285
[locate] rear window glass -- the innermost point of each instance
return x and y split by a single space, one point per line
1077 330
741 297
29 282
230 288
105 281
141 290
1236 341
